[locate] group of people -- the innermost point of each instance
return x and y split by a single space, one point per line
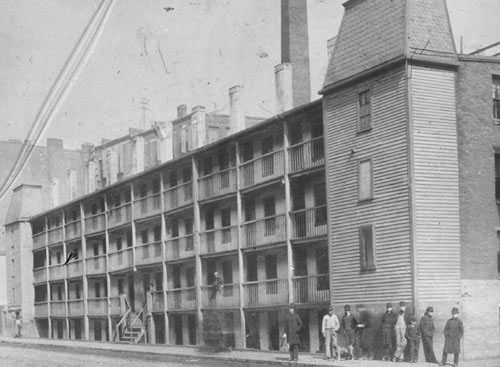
399 334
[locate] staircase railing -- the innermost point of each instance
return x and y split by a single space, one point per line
122 324
143 328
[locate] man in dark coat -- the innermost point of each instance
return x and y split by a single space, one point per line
217 285
427 331
453 332
293 324
388 323
348 325
363 343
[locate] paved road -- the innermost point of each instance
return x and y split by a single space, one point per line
17 356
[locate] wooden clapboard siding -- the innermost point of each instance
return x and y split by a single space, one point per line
436 193
387 145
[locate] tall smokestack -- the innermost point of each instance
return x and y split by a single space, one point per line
237 113
284 88
295 47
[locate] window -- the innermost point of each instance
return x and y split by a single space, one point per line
322 269
174 227
59 293
129 239
157 233
144 236
497 178
190 277
96 249
364 111
172 179
247 151
117 200
295 133
271 273
77 291
225 217
118 244
58 257
319 191
249 209
267 145
186 175
367 247
496 98
143 190
223 159
156 186
209 219
98 289
207 166
365 180
120 286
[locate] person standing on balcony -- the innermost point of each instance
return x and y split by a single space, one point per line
388 323
217 285
329 327
362 344
293 325
348 325
426 327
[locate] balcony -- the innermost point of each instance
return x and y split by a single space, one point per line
228 297
219 240
56 272
180 247
149 253
40 275
309 222
178 196
181 299
262 169
266 293
147 206
75 307
120 215
55 235
96 265
116 308
73 230
306 155
97 306
39 240
122 259
57 308
41 309
311 289
264 231
217 184
95 223
75 268
157 302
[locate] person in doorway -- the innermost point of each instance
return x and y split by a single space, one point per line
362 340
413 337
19 326
453 332
293 325
400 332
426 327
388 323
329 326
348 325
217 285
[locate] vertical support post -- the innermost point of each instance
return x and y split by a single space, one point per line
164 259
108 276
84 270
197 245
66 287
241 273
49 291
288 208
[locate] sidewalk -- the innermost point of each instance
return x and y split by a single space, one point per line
266 358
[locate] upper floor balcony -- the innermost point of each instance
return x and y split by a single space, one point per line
57 272
270 292
310 222
148 253
75 268
73 230
311 289
157 301
219 240
96 264
180 247
55 235
97 306
147 206
181 299
306 155
95 223
265 231
262 169
120 215
41 309
178 196
57 308
217 184
75 307
116 307
121 259
40 275
227 297
39 240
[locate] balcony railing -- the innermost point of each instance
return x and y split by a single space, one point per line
264 231
157 301
57 308
180 247
96 264
73 230
178 196
264 168
97 306
41 309
266 293
55 235
219 183
75 307
147 206
229 296
149 253
219 240
40 275
311 289
75 268
181 299
307 155
95 223
39 240
56 272
309 222
121 259
120 215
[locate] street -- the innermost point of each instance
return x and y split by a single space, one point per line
20 356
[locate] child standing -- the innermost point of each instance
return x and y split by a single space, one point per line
413 336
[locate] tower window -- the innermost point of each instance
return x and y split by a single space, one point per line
364 111
496 98
367 247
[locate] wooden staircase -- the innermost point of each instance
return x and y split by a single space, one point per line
130 329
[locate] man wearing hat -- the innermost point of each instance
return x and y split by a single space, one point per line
362 343
329 326
453 332
348 325
388 323
400 332
427 331
293 325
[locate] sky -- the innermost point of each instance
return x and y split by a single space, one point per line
192 54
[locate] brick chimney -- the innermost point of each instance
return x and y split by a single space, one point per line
284 88
181 110
236 106
198 127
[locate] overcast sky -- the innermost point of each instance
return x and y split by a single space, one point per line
192 54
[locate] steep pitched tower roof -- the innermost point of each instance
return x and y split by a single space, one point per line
374 33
